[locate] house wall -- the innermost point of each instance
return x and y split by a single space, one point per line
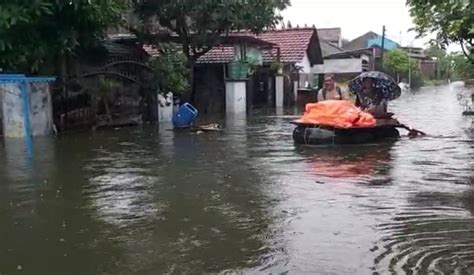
336 66
305 64
40 110
428 69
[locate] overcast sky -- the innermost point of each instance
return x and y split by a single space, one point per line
356 17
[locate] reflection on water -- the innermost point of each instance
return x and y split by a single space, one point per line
152 201
358 164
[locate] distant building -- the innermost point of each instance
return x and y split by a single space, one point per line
370 40
342 62
296 49
428 66
373 42
331 35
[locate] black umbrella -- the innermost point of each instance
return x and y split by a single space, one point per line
383 82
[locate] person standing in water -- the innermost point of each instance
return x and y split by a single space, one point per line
330 90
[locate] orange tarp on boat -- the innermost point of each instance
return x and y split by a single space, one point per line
336 113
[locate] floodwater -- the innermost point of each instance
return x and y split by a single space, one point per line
246 200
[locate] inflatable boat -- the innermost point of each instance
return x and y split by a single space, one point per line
319 135
341 122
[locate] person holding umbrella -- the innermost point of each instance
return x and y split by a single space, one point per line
373 90
371 99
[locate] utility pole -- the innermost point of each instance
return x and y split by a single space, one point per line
383 46
409 64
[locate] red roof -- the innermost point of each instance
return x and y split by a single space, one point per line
224 54
293 44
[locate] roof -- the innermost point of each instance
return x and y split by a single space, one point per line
349 54
217 55
115 48
371 37
360 42
293 45
329 34
328 48
416 52
293 42
222 55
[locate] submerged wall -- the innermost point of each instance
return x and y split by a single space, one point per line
39 108
41 111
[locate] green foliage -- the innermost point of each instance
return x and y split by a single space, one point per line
398 61
34 32
200 24
170 71
461 67
451 20
444 69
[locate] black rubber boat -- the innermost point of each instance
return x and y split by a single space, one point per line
319 135
468 113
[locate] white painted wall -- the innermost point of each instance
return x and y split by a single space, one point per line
40 112
165 107
306 67
235 97
348 65
41 109
279 96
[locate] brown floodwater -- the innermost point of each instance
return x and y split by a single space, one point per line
246 200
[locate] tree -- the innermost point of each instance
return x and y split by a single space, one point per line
442 59
200 25
399 62
452 21
18 18
461 67
169 70
47 31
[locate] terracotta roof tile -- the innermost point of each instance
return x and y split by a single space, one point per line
293 44
218 55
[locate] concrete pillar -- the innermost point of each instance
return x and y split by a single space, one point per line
13 118
279 89
295 92
236 96
41 109
165 107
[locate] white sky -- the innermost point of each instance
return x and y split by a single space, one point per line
356 17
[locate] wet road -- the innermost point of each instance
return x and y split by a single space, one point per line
143 201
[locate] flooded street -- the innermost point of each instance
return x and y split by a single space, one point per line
149 201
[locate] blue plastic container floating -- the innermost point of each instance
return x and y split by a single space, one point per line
185 116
